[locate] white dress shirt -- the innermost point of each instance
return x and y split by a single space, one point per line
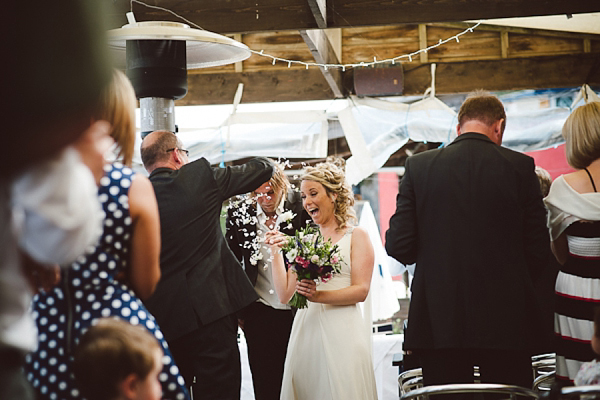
265 288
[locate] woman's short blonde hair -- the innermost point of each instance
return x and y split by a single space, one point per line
117 106
331 175
582 135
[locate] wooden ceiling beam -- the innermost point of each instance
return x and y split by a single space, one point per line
323 53
263 86
319 10
383 12
240 16
506 74
516 30
459 77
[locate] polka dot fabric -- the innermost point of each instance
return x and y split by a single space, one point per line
88 291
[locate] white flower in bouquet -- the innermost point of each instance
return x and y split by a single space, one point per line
315 259
291 255
309 238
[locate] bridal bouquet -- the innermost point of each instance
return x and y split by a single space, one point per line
310 256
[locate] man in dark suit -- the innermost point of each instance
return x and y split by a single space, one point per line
267 323
471 216
202 284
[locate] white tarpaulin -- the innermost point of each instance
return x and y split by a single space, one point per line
386 126
301 134
374 128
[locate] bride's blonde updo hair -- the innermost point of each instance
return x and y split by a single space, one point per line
331 175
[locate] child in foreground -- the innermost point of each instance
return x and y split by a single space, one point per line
115 360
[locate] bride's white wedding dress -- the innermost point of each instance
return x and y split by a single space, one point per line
329 352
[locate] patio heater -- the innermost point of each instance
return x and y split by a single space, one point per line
156 56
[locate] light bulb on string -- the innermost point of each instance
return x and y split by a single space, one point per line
325 66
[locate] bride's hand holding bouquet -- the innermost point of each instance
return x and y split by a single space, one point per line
310 257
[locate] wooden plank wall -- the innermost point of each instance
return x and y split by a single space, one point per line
384 42
460 63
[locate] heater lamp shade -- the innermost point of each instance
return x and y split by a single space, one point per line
203 48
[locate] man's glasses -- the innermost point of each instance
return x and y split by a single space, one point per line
187 152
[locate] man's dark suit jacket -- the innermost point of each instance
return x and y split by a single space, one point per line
201 280
471 216
236 230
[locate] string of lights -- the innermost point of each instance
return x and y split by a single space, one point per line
289 63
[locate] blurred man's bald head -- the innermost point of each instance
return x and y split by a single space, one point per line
155 146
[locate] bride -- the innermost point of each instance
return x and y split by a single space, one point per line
329 352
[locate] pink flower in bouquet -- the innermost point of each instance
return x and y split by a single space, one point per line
301 261
335 259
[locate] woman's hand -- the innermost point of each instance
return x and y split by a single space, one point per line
275 239
307 288
284 281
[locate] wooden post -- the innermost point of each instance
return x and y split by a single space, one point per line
323 53
238 65
423 43
504 43
335 39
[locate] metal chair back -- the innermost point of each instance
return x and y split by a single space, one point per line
410 380
583 392
461 388
543 383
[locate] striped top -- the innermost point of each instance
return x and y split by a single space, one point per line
578 282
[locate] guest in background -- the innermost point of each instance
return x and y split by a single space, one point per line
90 289
49 210
203 285
471 216
115 360
574 222
544 285
267 322
545 180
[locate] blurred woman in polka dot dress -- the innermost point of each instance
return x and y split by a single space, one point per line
128 250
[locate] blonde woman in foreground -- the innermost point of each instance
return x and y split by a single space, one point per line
92 287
